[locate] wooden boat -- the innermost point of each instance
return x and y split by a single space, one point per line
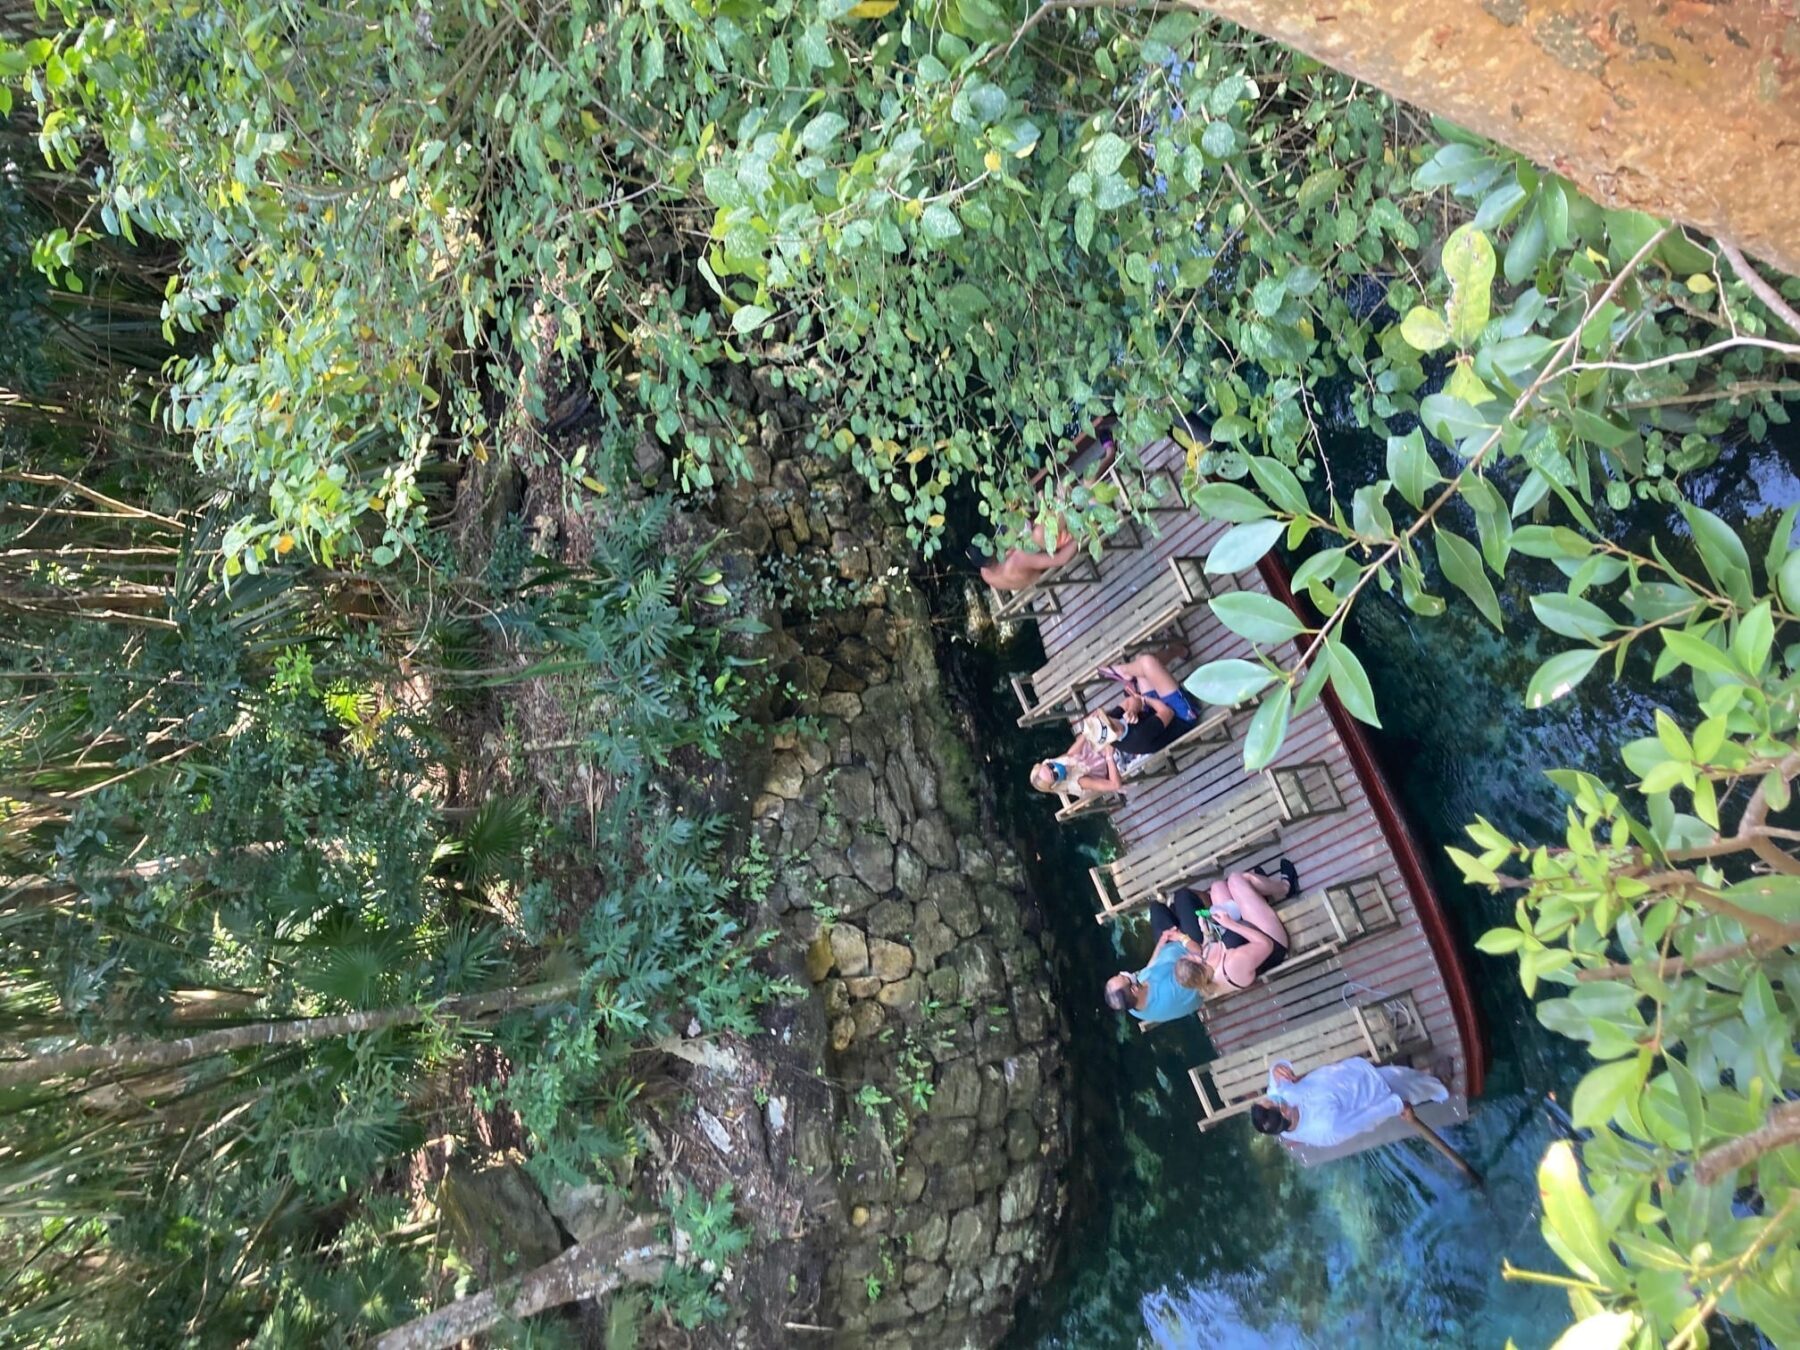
1391 984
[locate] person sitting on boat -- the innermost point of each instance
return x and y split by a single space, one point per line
1155 710
1251 941
1021 567
1153 994
1335 1103
1084 770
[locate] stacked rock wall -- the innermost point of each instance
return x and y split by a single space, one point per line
943 1035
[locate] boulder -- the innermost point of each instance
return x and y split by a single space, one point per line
890 918
872 860
849 949
910 872
902 994
787 776
929 1238
931 836
889 961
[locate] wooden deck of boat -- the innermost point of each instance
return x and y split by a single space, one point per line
1365 838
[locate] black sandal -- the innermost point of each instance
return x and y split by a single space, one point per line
1291 875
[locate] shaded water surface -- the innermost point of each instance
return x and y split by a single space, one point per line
1178 1239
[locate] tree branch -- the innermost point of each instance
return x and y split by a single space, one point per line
1760 288
1780 1129
1671 966
589 1269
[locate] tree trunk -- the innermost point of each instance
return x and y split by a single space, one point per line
587 1270
1688 109
142 1055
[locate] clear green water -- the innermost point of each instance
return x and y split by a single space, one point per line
1176 1240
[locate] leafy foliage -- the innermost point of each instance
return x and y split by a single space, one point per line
1647 935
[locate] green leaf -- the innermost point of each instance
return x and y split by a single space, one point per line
1254 615
1500 941
1084 224
1279 484
1242 546
1220 140
1788 583
1462 567
1231 428
1572 617
1228 683
1350 682
1469 263
1424 329
1751 642
1466 385
1262 742
1693 650
1547 541
1559 675
1722 552
1322 566
1526 248
1409 465
1604 1090
1267 295
939 223
750 317
1106 153
1450 419
1229 501
823 130
1571 1224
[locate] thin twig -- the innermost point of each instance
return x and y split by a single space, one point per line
1759 287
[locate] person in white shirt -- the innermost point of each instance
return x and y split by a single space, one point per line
1339 1101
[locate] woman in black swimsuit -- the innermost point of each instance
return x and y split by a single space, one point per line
1252 942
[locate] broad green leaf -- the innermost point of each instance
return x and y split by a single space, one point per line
1262 742
1546 541
1106 153
1722 552
1755 635
1424 329
1526 248
1788 583
1254 615
1469 263
1409 466
1780 541
1571 1224
1228 501
1084 224
1242 546
1492 522
1451 420
1466 385
1462 568
1559 675
1501 942
750 317
1350 682
1604 1090
1693 650
1279 484
1220 140
823 130
1321 566
1228 683
1572 617
939 223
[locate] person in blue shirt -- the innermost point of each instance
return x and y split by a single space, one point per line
1152 994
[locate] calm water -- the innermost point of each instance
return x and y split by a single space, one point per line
1182 1240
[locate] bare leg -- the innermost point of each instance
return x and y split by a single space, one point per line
1220 895
1272 888
1150 672
1255 908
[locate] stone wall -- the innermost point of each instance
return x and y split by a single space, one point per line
920 942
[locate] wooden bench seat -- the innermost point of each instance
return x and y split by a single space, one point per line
1213 729
1322 923
1199 845
1058 689
1159 492
1378 1031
